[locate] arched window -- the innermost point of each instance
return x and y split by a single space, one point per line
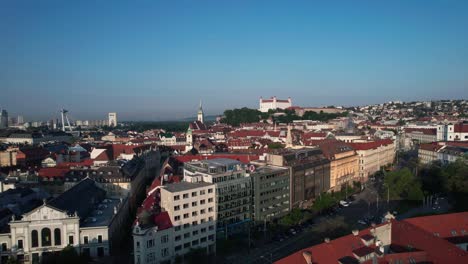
57 237
46 238
34 239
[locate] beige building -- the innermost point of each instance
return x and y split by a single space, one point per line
427 153
373 156
343 163
8 157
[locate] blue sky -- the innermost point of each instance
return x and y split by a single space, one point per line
154 60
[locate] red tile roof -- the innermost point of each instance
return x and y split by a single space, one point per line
162 221
430 146
425 131
444 225
54 172
461 128
332 147
371 145
415 233
244 158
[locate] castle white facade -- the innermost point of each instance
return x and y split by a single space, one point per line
274 103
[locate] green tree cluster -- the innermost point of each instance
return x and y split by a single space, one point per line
67 255
404 185
450 178
293 218
311 115
244 115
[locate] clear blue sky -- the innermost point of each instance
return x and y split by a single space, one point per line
154 60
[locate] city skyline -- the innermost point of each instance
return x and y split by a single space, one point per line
155 61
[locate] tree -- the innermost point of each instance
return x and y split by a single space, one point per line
404 185
244 115
67 255
293 218
275 145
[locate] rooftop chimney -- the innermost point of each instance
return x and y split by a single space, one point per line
307 256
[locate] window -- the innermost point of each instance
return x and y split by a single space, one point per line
185 195
178 248
164 252
57 236
194 194
202 201
210 200
194 203
210 190
186 216
99 239
4 247
138 244
203 230
203 220
70 240
186 225
34 238
100 252
150 243
194 223
202 211
186 235
177 238
202 192
176 208
164 239
211 227
85 240
177 228
210 209
187 245
177 218
210 218
46 238
194 213
195 242
211 237
194 233
186 206
176 197
203 239
20 243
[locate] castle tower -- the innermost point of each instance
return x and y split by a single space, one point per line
200 113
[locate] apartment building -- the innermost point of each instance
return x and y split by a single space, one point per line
343 163
309 173
174 219
233 189
270 191
373 156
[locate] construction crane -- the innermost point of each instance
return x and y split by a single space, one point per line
64 112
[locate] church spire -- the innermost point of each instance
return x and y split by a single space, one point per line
200 115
